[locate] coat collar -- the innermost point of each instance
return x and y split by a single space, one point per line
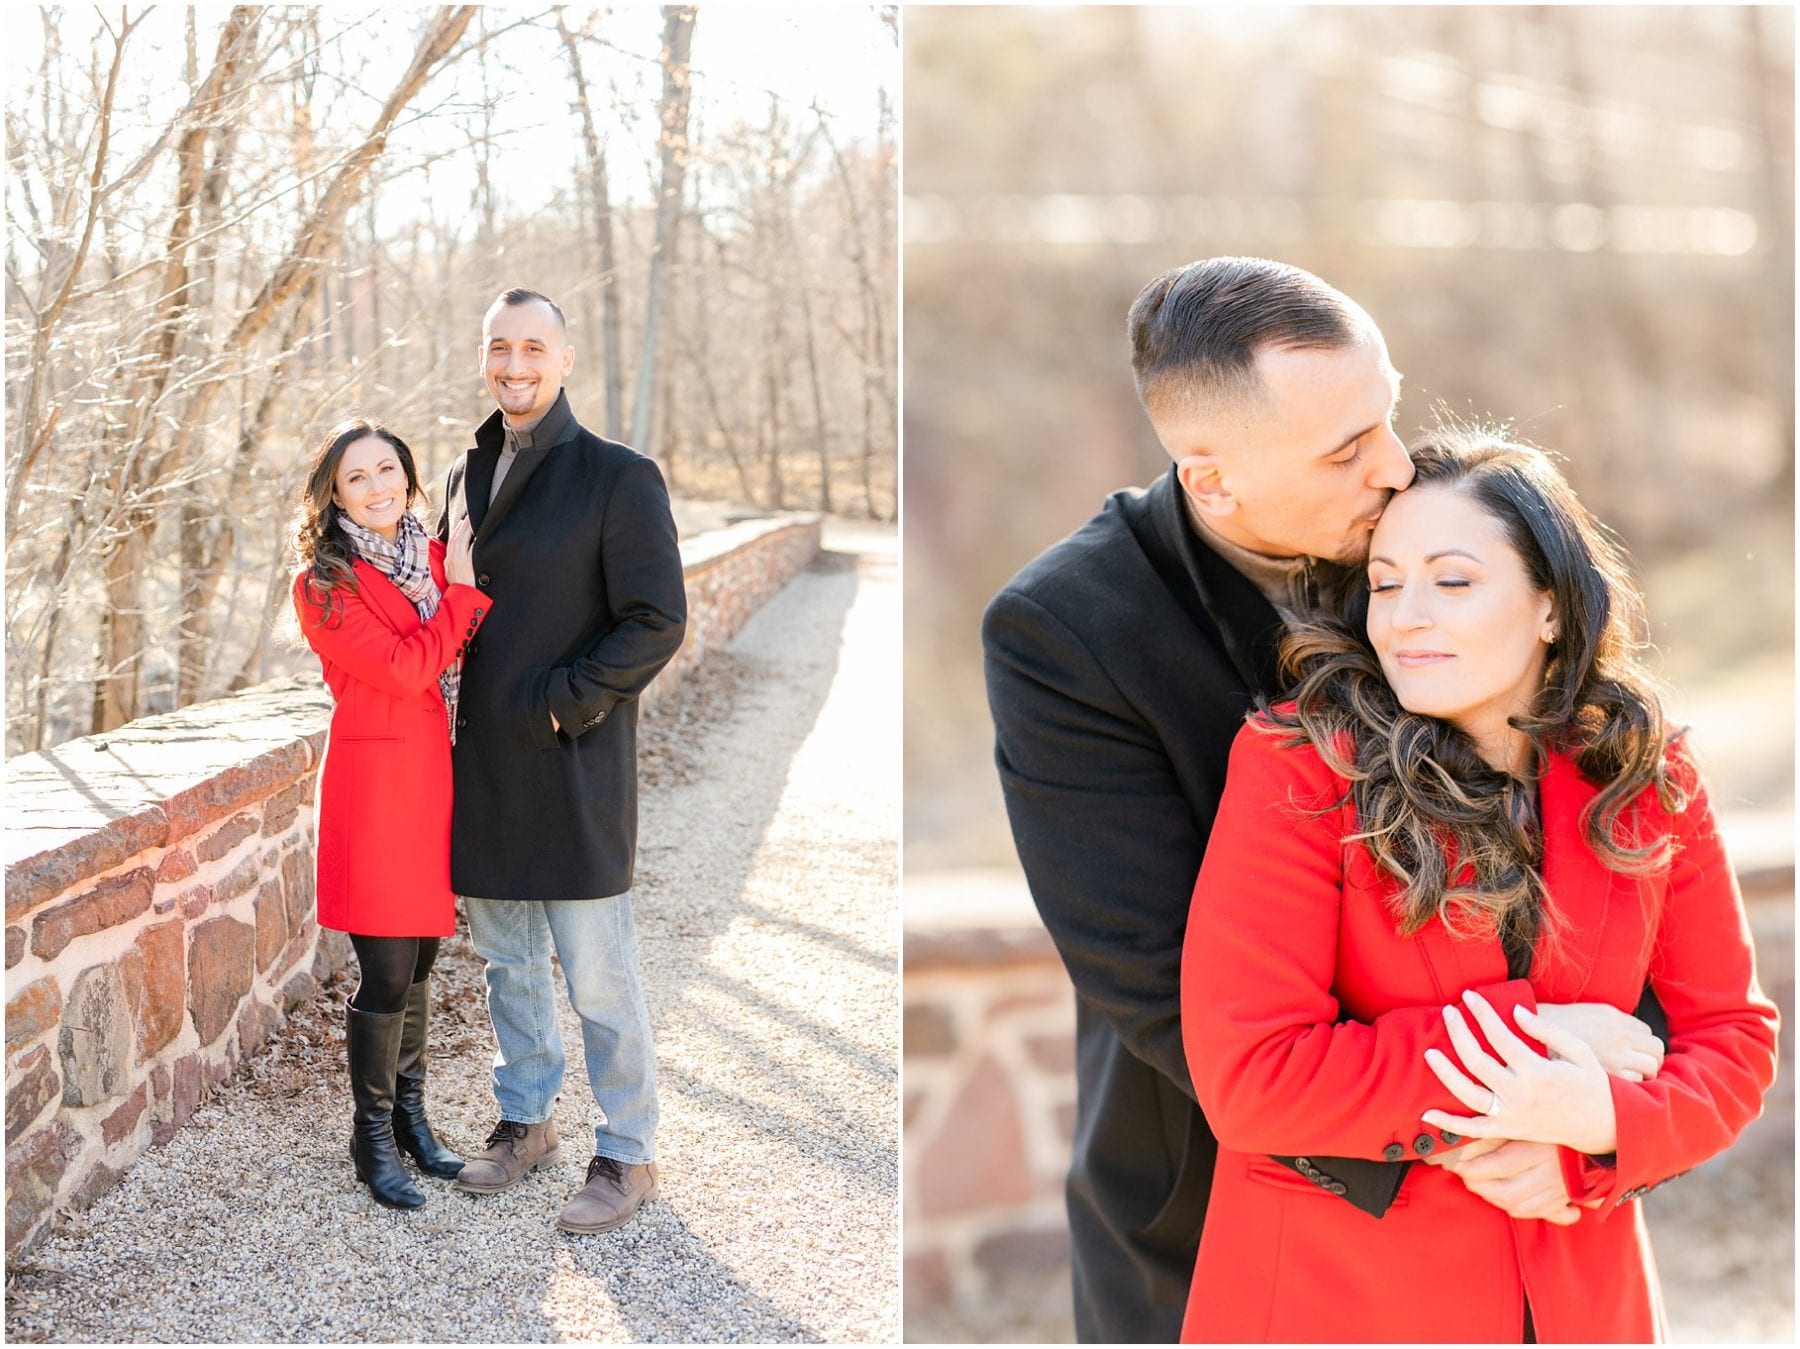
1216 595
558 427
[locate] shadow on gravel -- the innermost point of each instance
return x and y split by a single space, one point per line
683 951
678 953
718 1307
822 935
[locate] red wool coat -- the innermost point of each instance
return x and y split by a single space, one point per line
1305 1016
383 843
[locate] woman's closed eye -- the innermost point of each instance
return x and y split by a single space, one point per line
1387 587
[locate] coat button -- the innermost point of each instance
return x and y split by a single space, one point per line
1303 1165
482 579
462 721
1423 1144
1338 1187
1450 1137
480 612
1393 1152
473 648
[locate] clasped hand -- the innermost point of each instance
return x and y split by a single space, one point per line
1527 1104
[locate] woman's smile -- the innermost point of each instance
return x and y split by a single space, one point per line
1411 659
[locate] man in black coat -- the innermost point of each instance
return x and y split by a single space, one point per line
1120 665
575 544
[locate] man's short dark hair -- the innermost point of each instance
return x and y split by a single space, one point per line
523 295
1196 331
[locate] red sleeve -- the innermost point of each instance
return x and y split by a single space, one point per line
1722 1030
1274 1068
359 642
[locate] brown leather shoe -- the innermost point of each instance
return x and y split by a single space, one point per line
611 1197
513 1149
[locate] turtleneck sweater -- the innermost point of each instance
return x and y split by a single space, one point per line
1286 582
516 438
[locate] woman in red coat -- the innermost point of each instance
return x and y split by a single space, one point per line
1470 813
389 611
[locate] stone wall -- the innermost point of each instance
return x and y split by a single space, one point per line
731 573
158 925
159 905
989 1031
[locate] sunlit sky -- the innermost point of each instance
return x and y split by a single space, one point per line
834 55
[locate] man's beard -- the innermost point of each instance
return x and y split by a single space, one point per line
1355 552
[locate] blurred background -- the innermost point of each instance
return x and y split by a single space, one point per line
227 227
1577 220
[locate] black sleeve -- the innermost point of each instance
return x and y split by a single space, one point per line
1650 1011
442 527
641 557
1110 845
1108 842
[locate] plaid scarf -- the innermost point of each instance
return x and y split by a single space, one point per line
407 563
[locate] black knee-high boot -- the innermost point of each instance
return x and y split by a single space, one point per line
412 1131
374 1042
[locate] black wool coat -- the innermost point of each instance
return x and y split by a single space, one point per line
579 556
1120 665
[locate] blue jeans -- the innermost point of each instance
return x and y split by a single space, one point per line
597 945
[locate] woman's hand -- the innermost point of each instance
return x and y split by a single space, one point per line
1564 1099
459 555
1625 1046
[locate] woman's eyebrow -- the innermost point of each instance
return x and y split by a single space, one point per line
1429 557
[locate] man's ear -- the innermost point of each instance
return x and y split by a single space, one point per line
568 358
1201 478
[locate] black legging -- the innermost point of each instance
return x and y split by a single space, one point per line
389 966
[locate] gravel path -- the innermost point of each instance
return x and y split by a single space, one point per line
768 928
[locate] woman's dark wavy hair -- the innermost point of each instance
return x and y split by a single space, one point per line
321 547
1464 839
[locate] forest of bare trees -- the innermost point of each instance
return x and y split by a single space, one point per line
228 231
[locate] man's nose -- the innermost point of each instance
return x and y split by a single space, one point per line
1390 468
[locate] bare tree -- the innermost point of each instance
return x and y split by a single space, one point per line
192 300
603 236
869 239
678 37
